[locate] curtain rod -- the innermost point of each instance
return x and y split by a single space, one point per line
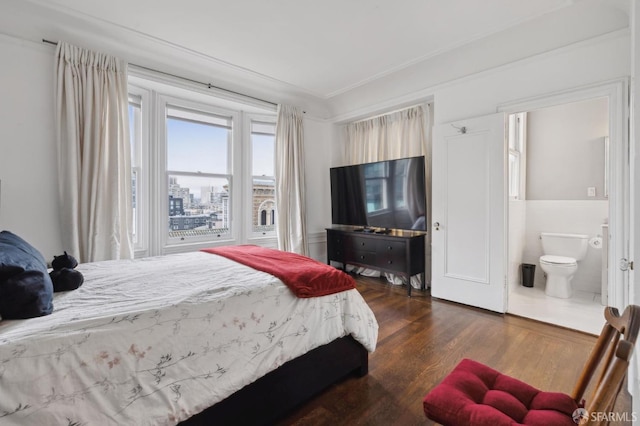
207 85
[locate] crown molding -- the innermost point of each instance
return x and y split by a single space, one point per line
426 94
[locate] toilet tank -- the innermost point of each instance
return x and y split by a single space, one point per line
568 245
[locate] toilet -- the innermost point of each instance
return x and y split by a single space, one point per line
561 254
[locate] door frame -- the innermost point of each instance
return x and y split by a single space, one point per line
617 92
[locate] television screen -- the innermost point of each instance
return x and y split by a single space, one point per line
385 194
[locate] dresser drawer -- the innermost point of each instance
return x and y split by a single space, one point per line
392 254
335 245
360 250
362 243
363 257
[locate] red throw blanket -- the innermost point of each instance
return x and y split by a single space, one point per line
306 277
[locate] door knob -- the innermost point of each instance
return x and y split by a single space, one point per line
436 225
625 264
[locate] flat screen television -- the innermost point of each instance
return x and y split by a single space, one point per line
385 194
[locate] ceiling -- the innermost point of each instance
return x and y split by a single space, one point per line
323 48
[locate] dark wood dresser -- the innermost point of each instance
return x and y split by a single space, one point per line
398 252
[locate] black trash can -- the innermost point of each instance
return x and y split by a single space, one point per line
528 273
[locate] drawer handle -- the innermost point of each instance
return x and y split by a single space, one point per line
362 243
389 248
362 256
390 262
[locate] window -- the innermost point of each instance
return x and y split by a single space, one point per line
138 134
517 143
376 176
202 170
199 176
134 138
400 181
263 182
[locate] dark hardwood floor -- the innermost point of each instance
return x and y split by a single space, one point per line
421 340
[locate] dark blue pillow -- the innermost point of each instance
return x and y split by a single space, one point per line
26 290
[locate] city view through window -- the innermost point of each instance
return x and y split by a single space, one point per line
200 178
198 173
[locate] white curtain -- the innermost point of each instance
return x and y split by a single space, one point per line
94 154
405 133
290 187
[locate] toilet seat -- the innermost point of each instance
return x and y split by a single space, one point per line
550 259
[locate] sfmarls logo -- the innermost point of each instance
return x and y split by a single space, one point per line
580 416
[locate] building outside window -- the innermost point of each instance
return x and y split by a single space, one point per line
263 192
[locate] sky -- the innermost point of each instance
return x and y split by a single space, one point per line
195 147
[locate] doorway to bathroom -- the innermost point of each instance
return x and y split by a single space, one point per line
564 157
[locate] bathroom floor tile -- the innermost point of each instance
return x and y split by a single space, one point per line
582 311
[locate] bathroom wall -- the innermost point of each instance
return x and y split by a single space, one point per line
565 150
517 240
565 156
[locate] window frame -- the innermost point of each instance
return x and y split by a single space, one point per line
153 188
174 245
517 131
268 238
140 165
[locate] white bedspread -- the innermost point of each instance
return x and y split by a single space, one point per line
154 341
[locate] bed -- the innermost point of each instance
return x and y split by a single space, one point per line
194 338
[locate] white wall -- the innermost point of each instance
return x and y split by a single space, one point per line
28 154
565 150
517 230
318 136
584 64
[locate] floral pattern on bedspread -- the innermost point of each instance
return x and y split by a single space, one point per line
157 340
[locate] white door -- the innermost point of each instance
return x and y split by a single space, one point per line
468 217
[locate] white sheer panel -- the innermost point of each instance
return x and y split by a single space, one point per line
94 154
290 187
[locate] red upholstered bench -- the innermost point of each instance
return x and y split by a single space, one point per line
474 394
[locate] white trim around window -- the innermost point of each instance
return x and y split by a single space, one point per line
169 245
268 238
140 164
153 206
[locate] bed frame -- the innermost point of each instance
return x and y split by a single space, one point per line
271 397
